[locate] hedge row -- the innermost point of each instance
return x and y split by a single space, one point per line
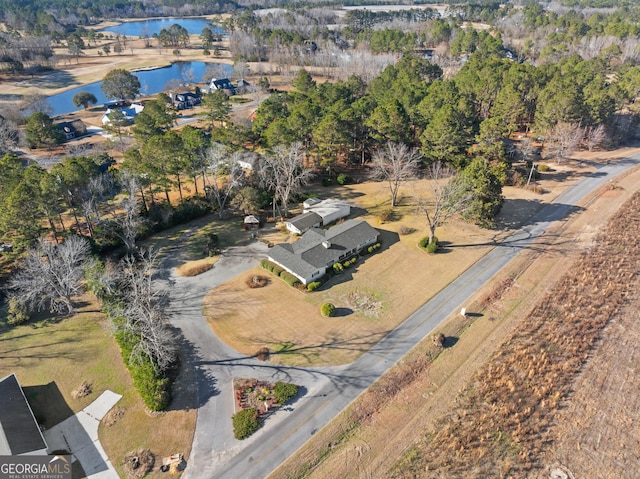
373 248
152 385
287 277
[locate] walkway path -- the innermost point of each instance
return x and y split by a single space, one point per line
79 435
327 391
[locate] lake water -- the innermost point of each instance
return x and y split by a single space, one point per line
151 81
151 26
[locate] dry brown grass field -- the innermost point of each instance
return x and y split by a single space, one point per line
381 290
370 297
401 435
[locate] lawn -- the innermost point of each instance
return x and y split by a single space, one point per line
53 357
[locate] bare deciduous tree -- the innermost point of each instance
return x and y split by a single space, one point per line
143 311
448 195
50 274
563 139
594 136
285 173
395 164
224 173
126 221
8 135
527 149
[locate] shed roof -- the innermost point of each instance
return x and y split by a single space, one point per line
305 221
19 431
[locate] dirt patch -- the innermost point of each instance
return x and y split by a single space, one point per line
81 391
114 415
138 463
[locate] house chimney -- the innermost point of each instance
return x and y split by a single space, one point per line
326 244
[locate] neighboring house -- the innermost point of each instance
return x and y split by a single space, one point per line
328 211
242 86
222 84
317 250
19 431
129 112
304 222
112 105
183 101
73 129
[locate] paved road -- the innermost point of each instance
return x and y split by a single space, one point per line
216 454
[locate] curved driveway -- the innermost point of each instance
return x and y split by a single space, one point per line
327 391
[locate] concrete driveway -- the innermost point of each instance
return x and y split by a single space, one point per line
79 435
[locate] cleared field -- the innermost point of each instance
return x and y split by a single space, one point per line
51 358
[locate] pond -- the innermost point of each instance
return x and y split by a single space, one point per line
154 25
151 81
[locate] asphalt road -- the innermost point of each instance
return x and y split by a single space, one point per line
326 391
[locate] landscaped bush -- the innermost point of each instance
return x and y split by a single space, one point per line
349 262
338 268
152 386
314 285
343 179
385 216
284 391
327 309
543 168
405 230
271 267
432 247
290 279
245 423
373 248
424 243
18 312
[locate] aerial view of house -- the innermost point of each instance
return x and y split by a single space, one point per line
317 250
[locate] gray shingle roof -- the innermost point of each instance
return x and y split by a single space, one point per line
308 254
19 432
305 221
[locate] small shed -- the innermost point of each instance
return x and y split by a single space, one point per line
251 222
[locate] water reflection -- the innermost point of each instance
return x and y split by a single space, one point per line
154 25
151 81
